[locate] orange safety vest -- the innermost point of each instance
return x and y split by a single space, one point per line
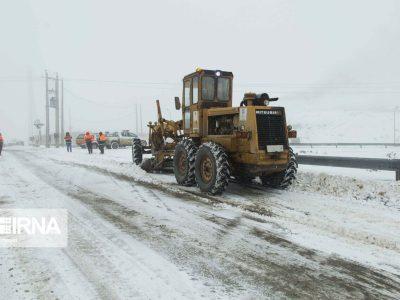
68 138
1 139
102 138
88 137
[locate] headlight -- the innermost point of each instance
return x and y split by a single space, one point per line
218 73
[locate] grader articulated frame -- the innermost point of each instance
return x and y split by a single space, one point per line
164 135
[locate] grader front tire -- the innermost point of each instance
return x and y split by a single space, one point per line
284 179
212 168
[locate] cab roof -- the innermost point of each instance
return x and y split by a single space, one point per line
208 72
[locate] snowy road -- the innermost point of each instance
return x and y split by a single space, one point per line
138 235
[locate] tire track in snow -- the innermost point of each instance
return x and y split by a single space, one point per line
34 271
299 217
116 266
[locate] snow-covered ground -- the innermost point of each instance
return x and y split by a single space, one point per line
139 235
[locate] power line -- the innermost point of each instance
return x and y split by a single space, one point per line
121 81
136 84
354 85
103 120
95 102
244 83
285 85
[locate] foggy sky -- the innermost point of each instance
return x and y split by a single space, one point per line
115 54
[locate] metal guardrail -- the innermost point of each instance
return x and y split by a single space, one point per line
352 162
346 144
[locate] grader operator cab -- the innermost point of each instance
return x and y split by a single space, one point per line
215 142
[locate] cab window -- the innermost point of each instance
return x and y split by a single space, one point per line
223 89
208 88
187 92
195 90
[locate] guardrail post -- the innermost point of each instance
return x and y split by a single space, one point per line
398 175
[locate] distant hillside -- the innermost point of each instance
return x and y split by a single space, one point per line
357 118
343 126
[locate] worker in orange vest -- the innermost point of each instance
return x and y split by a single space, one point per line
1 143
89 138
102 142
68 141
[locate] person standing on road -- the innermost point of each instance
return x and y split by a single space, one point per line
1 143
89 138
102 142
68 141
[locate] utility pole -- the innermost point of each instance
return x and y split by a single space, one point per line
57 109
47 112
394 124
69 116
136 118
141 122
31 100
62 111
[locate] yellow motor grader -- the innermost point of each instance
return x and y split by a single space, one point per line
215 142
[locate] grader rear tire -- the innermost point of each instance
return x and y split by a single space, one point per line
184 162
137 152
284 179
212 168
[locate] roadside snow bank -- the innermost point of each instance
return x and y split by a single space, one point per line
387 193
